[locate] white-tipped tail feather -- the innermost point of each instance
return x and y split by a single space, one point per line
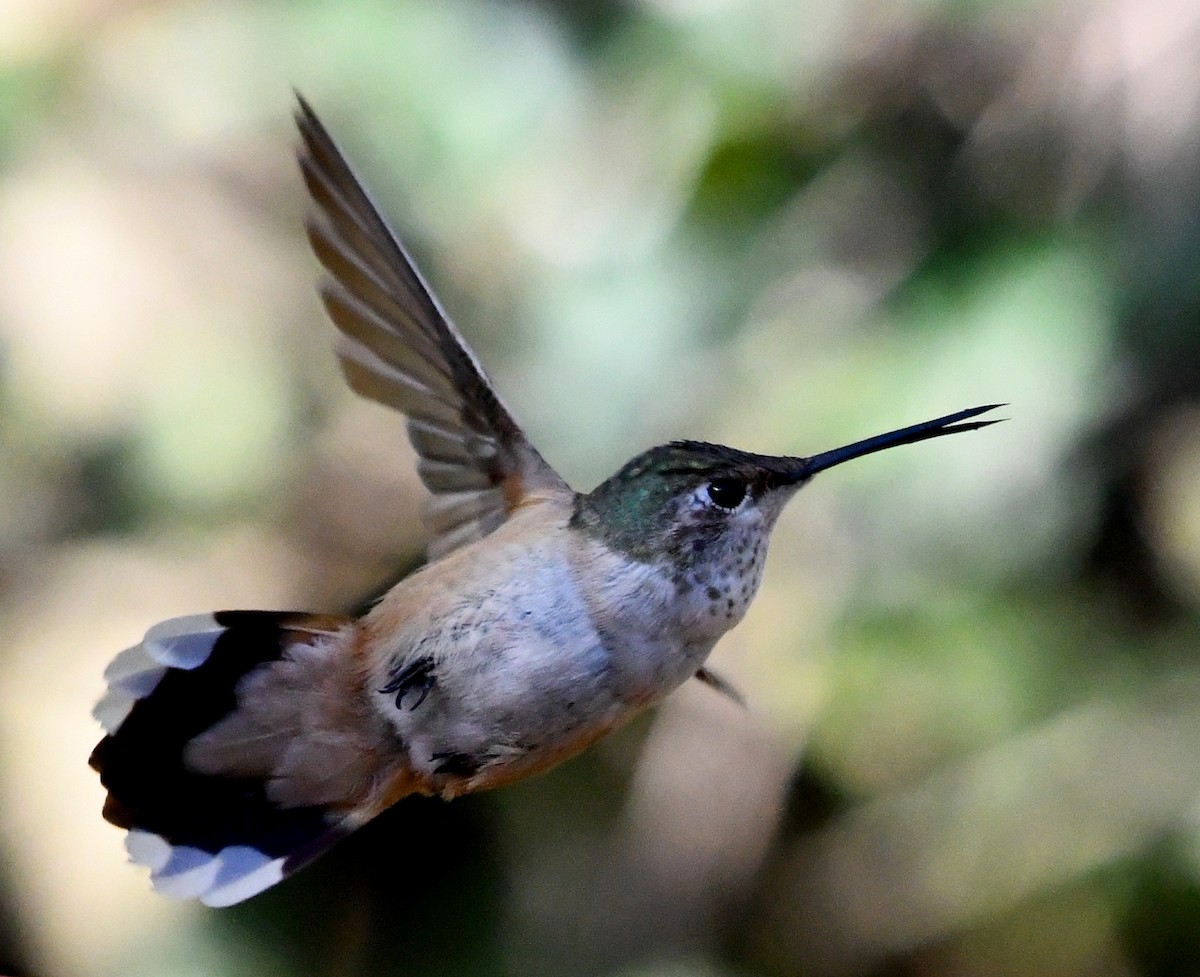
216 831
182 642
230 876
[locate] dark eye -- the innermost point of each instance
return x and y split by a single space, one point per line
727 492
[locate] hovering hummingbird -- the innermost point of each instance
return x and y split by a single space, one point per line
242 744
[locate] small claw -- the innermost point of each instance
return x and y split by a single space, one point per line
719 683
415 675
423 688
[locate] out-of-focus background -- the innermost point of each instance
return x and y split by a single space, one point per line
972 745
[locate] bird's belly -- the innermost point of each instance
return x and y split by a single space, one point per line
505 667
544 717
523 703
511 674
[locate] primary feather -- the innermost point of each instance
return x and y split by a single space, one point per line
400 348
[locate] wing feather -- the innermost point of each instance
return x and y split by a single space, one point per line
443 476
379 379
398 347
370 327
438 444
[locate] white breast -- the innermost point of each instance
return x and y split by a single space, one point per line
532 640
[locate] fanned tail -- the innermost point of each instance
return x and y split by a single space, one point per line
217 837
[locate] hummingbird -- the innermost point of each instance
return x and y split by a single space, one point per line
240 745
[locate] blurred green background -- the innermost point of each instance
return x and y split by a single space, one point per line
973 739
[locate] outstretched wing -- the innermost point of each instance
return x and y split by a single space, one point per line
400 348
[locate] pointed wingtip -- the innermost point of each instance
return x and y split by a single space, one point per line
305 118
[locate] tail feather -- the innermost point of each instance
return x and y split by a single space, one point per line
182 643
203 835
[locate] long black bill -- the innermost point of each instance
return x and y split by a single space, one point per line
906 435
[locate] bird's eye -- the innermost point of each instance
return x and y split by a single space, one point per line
726 492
